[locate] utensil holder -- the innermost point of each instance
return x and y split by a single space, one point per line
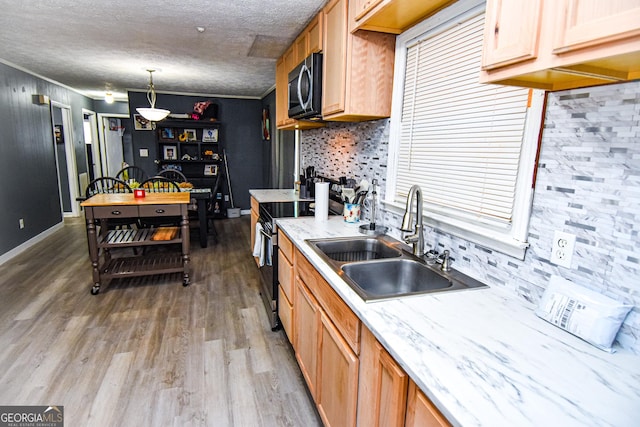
351 212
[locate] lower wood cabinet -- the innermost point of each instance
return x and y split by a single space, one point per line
421 412
352 378
337 391
306 340
382 392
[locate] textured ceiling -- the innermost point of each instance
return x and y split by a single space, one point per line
96 46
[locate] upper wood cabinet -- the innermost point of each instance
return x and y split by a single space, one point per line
561 44
392 16
308 42
357 76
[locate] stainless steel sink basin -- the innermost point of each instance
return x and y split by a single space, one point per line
358 249
398 277
381 267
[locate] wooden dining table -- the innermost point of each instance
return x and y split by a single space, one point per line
202 196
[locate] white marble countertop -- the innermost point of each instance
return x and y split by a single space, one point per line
484 358
278 195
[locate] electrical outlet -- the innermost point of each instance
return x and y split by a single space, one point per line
226 197
21 223
562 248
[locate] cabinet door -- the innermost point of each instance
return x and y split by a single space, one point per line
589 23
302 46
314 34
282 93
420 410
364 6
382 391
511 32
254 221
306 330
337 391
334 58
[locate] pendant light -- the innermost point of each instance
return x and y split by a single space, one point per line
152 114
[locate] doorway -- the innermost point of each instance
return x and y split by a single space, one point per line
65 158
112 151
92 145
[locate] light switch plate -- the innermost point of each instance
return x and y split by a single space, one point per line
562 248
144 152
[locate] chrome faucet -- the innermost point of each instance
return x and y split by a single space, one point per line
418 237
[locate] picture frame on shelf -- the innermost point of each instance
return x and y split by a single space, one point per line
167 134
140 123
210 170
210 135
191 134
170 152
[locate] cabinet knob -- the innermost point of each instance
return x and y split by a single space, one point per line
116 213
159 211
496 30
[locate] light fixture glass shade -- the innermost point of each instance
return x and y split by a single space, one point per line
108 98
153 114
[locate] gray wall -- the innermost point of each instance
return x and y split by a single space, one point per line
240 135
588 184
27 161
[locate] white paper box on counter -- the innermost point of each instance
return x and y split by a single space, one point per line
583 312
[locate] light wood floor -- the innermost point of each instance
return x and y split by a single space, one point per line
146 351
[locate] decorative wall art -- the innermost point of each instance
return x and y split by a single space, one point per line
140 123
191 134
210 135
167 133
170 152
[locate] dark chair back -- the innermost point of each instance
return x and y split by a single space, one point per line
106 185
173 175
132 172
160 184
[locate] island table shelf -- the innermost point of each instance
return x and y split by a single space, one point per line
102 207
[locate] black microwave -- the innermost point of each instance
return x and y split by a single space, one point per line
305 89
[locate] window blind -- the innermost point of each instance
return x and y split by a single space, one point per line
459 140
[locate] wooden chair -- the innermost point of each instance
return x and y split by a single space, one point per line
132 172
111 185
173 174
160 184
106 185
210 215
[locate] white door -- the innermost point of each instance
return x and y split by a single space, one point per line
113 151
65 158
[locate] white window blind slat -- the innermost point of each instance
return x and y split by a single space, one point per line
459 140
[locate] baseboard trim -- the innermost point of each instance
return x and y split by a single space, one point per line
29 243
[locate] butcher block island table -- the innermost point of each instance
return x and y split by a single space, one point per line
101 208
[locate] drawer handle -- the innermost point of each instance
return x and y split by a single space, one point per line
116 213
159 211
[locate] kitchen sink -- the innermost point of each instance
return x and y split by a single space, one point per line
398 277
381 267
359 249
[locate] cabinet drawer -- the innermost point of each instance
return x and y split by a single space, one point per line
285 246
285 275
285 312
115 211
160 210
337 310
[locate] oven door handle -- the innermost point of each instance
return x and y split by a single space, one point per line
265 234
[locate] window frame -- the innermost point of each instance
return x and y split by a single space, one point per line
510 238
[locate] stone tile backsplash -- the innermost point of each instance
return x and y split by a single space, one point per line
588 184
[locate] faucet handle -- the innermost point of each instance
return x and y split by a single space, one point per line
445 260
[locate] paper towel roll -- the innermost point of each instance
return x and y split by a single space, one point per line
322 201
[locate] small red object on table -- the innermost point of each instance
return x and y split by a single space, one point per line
139 193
